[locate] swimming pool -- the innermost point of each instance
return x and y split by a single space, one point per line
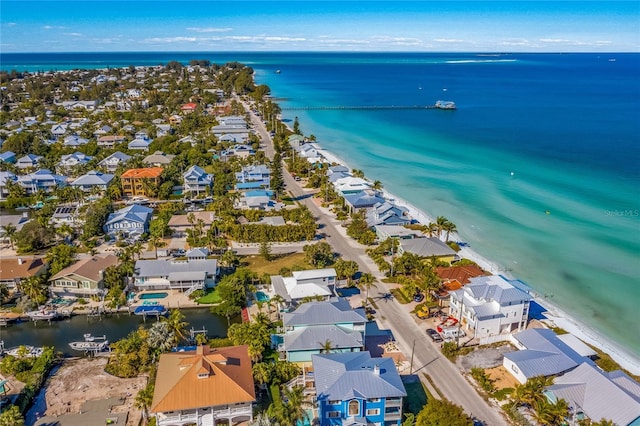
153 296
262 296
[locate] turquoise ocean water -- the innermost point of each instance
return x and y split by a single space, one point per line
539 166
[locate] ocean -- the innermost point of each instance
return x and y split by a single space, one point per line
538 167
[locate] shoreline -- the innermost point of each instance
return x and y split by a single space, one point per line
555 316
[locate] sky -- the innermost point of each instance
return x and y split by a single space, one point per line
422 26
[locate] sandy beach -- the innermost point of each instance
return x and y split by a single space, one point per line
555 316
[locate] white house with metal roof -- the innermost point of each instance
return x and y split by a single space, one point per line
541 353
595 394
196 180
182 275
491 305
93 180
356 389
112 162
305 284
43 180
130 222
306 330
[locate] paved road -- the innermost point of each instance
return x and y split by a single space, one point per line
410 336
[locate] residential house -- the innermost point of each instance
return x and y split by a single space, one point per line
310 283
307 328
384 232
17 220
239 150
234 137
295 141
130 222
596 395
362 200
43 180
182 275
112 162
188 107
83 278
69 162
92 181
427 248
102 130
66 214
462 274
196 181
6 179
207 386
14 270
541 353
158 159
8 157
71 105
386 213
257 199
74 141
255 173
110 141
355 389
29 161
491 306
134 180
140 143
179 223
163 130
351 185
59 129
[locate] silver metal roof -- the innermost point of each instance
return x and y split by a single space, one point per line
334 311
310 338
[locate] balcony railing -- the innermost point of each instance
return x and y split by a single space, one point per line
393 403
185 418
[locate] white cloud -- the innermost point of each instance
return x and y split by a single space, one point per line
53 27
73 34
170 39
398 41
209 29
448 40
521 42
555 40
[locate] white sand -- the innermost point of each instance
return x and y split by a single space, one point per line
556 316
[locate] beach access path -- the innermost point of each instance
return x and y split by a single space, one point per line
411 338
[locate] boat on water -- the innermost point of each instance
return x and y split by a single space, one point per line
155 309
91 343
24 351
42 314
445 105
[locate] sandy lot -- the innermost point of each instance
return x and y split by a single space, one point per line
485 357
84 379
502 378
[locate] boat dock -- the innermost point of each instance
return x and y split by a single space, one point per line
91 344
364 107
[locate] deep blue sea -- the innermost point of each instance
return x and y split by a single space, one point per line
539 167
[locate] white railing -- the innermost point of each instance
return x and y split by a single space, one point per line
393 403
192 289
198 416
177 418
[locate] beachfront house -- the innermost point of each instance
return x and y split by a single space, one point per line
302 284
362 200
351 185
112 162
196 181
355 389
205 386
491 307
14 270
388 214
427 248
541 353
83 278
306 329
595 394
181 275
129 222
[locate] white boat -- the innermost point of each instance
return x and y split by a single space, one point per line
42 314
89 346
24 350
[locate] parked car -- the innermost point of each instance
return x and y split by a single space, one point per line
418 297
435 336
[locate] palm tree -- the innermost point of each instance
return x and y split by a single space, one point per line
11 417
143 400
160 336
449 227
432 230
441 222
176 325
367 281
9 230
277 300
33 288
262 372
294 406
155 241
326 347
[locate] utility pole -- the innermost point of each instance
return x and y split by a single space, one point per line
413 350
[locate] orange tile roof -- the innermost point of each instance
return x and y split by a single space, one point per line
180 384
459 273
149 172
10 269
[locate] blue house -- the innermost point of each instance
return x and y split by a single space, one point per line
130 222
8 157
314 323
355 389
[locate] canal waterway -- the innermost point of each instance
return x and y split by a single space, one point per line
60 333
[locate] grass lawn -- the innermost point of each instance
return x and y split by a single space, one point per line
416 397
211 297
272 267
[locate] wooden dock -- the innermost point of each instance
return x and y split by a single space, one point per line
357 107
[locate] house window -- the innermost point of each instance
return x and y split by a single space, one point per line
335 402
333 414
515 369
373 412
354 407
373 400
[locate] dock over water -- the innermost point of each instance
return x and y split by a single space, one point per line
357 107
